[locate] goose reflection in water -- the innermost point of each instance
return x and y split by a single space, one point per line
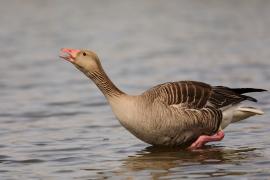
155 162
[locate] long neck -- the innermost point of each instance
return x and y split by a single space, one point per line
104 83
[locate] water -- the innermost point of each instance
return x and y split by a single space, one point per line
55 124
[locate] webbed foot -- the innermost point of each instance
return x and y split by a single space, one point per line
203 139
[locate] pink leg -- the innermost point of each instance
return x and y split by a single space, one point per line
203 139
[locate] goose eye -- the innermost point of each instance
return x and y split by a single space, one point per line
84 54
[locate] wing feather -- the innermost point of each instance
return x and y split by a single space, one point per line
193 94
198 101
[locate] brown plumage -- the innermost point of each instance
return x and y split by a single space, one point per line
170 114
200 102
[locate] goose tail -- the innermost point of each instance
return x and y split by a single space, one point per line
238 113
244 112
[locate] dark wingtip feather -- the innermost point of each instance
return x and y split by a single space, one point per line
250 98
247 90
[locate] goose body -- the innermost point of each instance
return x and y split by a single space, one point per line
182 113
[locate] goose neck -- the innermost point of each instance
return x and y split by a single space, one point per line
104 83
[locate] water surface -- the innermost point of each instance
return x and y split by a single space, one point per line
55 124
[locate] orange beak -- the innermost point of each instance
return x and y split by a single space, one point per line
69 54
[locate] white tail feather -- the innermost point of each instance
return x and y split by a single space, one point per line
251 110
238 113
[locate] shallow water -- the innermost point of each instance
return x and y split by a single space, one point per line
55 124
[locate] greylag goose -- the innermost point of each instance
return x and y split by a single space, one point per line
185 114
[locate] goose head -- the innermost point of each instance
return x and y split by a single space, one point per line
85 60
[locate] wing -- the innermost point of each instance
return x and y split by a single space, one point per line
197 95
197 104
190 94
188 101
223 96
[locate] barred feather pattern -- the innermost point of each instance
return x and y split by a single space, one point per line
185 93
103 82
193 94
194 104
222 96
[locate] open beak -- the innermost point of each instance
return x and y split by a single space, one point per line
69 54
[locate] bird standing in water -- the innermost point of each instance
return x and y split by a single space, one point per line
184 114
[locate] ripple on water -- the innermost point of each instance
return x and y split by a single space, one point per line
46 114
26 161
62 103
